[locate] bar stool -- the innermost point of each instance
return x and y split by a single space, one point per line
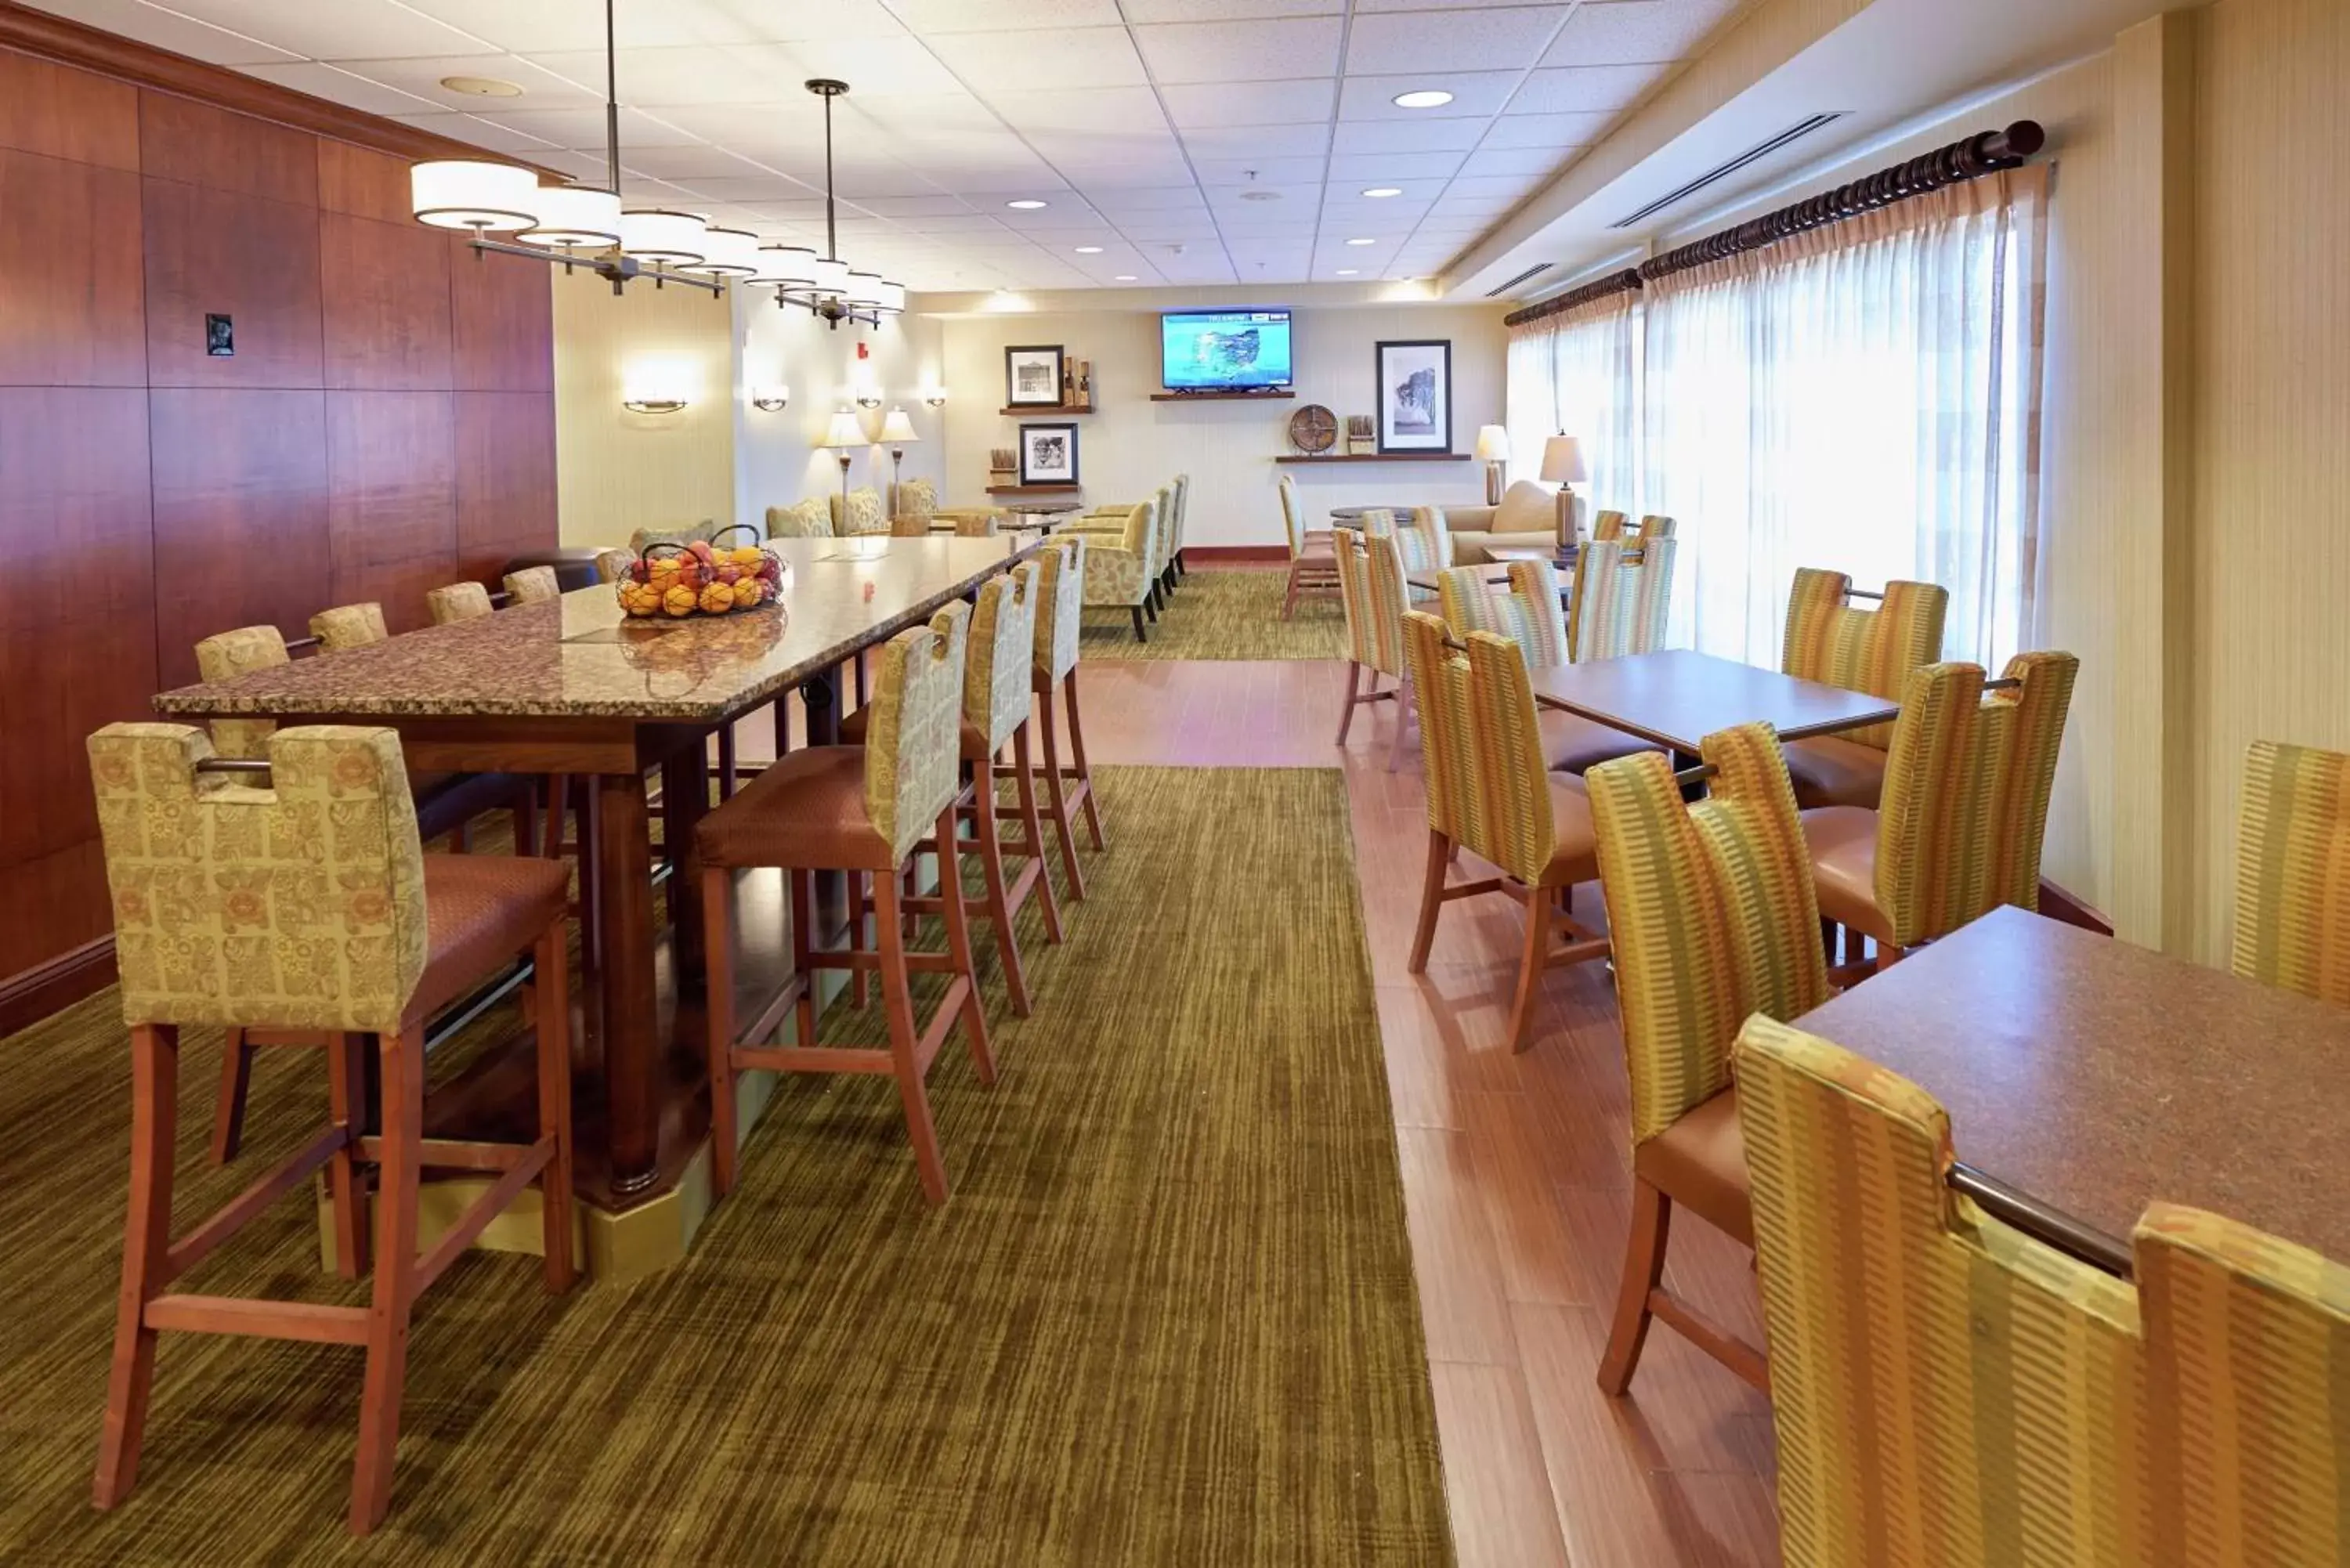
856 809
996 705
1060 622
309 904
532 584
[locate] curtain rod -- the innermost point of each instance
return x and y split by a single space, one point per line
1985 153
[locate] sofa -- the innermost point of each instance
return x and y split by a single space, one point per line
1527 518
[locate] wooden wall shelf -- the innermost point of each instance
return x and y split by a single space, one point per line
1034 489
1375 457
1222 397
1038 410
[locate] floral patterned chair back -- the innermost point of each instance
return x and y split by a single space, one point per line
613 564
297 905
458 601
1526 611
859 512
913 745
1623 592
913 498
809 519
1060 607
997 688
224 656
533 585
349 626
2292 871
1831 642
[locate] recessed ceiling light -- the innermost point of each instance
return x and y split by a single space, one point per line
1026 204
1426 97
1346 272
1376 191
1123 277
1362 242
482 87
1089 250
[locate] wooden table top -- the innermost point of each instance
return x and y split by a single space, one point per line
1679 697
2097 1076
580 657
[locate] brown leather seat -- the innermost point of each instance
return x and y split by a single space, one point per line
806 809
1571 742
1842 840
480 911
1577 856
1699 1162
1829 771
852 733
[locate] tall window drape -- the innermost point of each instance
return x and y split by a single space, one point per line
1579 372
1863 396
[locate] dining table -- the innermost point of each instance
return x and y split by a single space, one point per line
2086 1077
574 687
1677 696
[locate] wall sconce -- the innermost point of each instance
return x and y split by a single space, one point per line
935 396
772 398
652 405
868 397
657 386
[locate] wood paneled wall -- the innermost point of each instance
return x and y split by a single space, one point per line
387 424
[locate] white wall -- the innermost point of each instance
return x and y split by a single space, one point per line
1129 445
778 457
616 470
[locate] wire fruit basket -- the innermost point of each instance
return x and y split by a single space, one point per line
701 578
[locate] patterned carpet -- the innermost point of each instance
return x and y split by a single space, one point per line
1219 614
1168 1317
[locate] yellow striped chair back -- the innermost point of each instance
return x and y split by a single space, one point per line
997 681
1526 611
227 655
1622 594
1353 552
1608 524
913 746
1377 520
1711 911
2292 871
1389 597
1873 652
349 626
2019 807
1448 750
1426 539
1946 1392
1060 605
2248 1378
1657 526
1512 780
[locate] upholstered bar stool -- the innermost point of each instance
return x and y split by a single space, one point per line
458 602
532 584
1060 616
306 904
856 809
996 705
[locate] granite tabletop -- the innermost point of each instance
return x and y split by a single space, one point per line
581 657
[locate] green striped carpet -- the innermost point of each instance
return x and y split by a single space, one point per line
1168 1317
1222 614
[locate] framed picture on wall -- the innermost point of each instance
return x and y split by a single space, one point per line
1031 377
1048 454
1415 390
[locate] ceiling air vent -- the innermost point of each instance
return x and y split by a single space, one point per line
1755 153
1499 289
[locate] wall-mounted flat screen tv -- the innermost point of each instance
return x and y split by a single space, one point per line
1224 350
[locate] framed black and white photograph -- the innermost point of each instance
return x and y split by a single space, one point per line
1415 388
1031 377
1048 454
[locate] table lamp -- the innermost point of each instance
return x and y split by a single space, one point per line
845 433
895 432
1562 465
1493 451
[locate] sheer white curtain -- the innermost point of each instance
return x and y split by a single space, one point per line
1865 398
1579 372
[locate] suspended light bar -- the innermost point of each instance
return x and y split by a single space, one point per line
461 193
863 291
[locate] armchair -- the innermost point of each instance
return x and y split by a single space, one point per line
1124 573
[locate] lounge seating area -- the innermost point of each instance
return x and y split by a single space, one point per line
1171 782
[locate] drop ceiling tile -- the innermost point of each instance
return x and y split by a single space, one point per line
1371 167
1297 201
170 30
882 112
1242 143
983 186
637 190
478 133
894 65
1630 32
1359 216
1154 199
878 180
919 206
1478 209
527 25
1510 187
1475 94
541 88
347 30
737 187
1085 110
586 168
1413 193
1150 232
1542 161
1240 51
694 76
1415 135
1553 131
984 16
1257 170
583 128
1219 105
1097 57
1482 39
1586 89
957 225
697 162
1125 175
340 85
1146 11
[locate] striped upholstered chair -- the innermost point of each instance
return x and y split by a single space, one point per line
1312 572
1946 1390
1965 806
1370 650
1710 906
1390 596
2247 1340
1527 612
1622 593
2292 871
1488 793
1830 641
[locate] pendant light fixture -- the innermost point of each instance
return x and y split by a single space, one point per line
833 292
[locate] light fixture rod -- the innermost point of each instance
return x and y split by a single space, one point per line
831 232
612 103
620 271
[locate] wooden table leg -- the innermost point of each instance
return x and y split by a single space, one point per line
632 1050
685 789
820 699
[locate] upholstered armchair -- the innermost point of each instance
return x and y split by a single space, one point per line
809 519
1527 518
1124 573
859 512
1109 524
1831 642
912 501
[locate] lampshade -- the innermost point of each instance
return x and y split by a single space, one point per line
788 267
864 290
461 193
1562 460
897 429
576 215
893 297
845 430
654 234
732 252
1493 444
830 277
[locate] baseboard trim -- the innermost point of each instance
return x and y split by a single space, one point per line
32 994
1236 552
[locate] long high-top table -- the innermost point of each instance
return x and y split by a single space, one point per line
573 686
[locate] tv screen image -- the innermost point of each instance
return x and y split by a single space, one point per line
1207 350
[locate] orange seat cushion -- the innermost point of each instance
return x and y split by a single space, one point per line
806 809
1828 771
1573 743
1577 856
480 912
1699 1162
1842 840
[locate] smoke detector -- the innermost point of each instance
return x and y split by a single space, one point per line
482 87
1260 195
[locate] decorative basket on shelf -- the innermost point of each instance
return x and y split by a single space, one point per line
700 579
1361 436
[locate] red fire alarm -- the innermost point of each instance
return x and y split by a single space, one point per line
864 351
